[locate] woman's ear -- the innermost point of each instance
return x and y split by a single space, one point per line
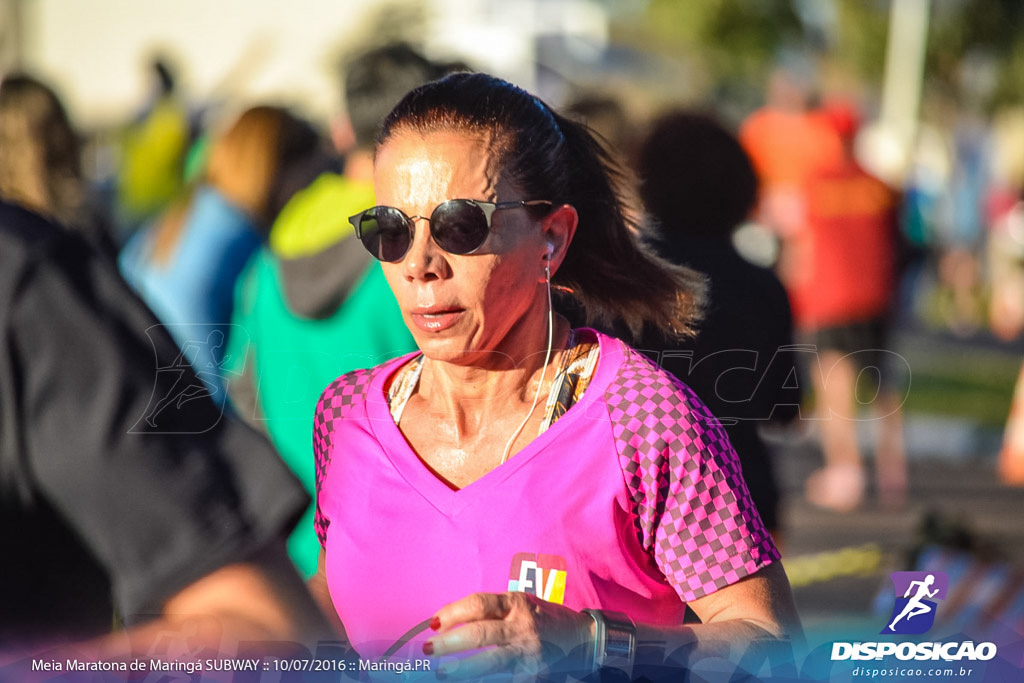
558 228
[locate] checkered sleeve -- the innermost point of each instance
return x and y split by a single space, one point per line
692 508
336 400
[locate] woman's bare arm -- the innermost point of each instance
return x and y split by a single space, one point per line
317 585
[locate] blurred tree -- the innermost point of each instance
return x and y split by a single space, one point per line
733 43
730 41
859 41
971 36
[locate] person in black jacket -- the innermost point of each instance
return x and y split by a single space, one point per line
698 186
104 512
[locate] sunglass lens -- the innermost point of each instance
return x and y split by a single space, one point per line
459 226
385 233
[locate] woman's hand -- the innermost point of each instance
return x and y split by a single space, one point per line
520 632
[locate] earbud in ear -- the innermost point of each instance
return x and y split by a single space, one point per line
548 253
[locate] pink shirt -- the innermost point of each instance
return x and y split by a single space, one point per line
631 501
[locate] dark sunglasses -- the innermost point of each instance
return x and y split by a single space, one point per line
459 226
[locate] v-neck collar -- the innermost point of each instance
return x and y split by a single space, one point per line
435 490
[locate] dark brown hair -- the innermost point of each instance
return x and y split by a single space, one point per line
607 269
39 150
376 80
695 177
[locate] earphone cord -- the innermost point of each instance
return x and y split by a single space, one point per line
547 357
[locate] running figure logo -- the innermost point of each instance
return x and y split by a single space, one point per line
914 612
199 370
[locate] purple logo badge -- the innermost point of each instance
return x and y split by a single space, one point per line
917 594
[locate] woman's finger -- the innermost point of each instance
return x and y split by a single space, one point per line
473 607
471 636
514 628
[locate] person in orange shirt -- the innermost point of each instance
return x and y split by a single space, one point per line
841 295
787 142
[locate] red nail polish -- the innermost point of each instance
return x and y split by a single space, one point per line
428 648
435 624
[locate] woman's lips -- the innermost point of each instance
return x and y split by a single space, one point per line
435 319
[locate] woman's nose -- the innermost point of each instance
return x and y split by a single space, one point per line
424 260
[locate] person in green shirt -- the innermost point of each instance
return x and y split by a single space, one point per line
313 304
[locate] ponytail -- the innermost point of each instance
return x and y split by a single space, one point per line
608 268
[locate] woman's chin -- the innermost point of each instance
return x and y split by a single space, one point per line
458 351
442 348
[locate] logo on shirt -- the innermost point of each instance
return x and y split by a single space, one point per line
540 575
914 612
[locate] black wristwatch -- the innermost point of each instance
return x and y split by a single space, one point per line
614 640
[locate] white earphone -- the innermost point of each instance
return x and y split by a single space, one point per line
547 355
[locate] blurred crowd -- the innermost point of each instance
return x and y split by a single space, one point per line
230 220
